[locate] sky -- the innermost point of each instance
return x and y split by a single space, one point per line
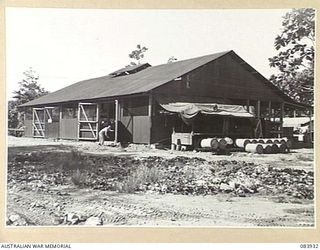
65 46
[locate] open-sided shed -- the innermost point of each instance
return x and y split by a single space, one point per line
140 100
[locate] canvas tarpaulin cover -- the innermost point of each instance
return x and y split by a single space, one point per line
188 111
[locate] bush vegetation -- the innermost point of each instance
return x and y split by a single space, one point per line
78 178
139 177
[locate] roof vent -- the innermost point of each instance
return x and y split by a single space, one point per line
130 70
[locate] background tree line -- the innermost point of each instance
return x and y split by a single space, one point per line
29 89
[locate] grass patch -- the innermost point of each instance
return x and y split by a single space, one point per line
78 178
143 175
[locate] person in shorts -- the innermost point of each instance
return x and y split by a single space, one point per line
106 127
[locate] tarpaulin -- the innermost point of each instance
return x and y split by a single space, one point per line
188 111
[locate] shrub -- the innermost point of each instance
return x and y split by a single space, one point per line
71 161
78 178
140 176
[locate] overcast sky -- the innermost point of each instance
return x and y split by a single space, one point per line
68 45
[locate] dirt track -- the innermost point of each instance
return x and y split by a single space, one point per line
154 209
33 203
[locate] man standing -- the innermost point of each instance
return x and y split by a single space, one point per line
105 128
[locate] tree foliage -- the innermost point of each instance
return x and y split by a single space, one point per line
172 59
29 89
295 58
13 119
138 54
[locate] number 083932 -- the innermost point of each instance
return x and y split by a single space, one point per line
309 246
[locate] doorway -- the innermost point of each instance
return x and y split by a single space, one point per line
88 121
38 122
108 115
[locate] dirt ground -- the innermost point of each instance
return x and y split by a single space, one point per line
38 194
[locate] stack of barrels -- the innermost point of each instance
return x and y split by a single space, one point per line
216 144
264 146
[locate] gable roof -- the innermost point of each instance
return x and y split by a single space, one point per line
140 82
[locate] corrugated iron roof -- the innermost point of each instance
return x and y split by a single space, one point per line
140 82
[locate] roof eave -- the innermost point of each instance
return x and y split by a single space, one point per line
99 99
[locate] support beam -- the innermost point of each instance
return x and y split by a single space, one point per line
78 134
60 118
60 113
269 110
98 121
150 109
258 109
225 126
116 128
150 105
281 117
248 105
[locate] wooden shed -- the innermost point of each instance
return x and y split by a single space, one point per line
140 100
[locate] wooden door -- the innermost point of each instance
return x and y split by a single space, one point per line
88 121
141 129
52 122
38 122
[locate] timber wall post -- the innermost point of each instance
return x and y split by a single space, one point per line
150 109
78 118
269 110
258 109
116 128
281 118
